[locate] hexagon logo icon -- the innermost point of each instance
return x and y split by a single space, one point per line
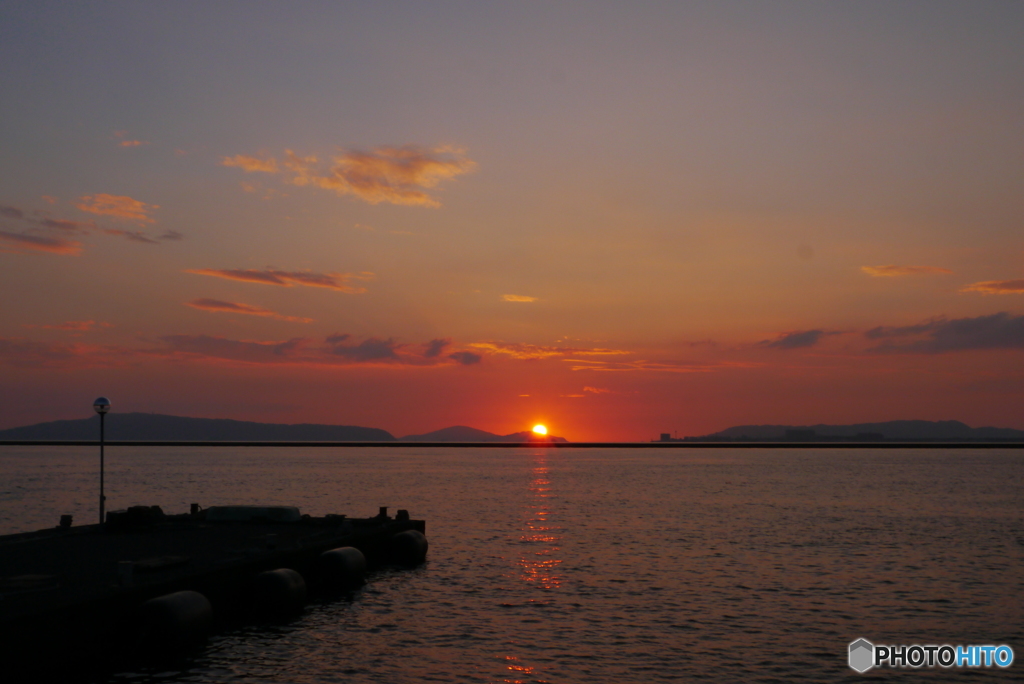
862 655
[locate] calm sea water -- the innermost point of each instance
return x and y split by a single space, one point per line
601 565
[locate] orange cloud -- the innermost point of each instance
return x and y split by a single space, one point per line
269 276
235 307
396 175
655 366
893 271
533 351
996 287
123 142
518 298
21 242
118 206
598 390
251 164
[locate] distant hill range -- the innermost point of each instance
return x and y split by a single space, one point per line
461 433
156 427
893 430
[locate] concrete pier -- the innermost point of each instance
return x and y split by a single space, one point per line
77 590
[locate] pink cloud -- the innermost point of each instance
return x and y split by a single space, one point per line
33 354
235 350
235 307
269 276
69 226
72 326
22 242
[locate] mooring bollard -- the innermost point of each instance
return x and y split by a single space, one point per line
343 567
278 593
173 621
408 548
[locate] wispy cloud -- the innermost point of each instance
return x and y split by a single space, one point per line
597 390
124 141
370 349
11 212
466 358
396 175
894 271
69 226
939 335
337 350
238 308
235 350
40 221
518 298
251 164
433 348
33 354
22 242
71 326
797 339
271 276
996 287
118 206
643 365
533 351
133 235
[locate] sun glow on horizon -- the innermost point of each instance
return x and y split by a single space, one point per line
540 430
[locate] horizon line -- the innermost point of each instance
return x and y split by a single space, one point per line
690 444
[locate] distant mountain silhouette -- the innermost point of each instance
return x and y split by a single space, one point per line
456 433
949 430
461 433
156 427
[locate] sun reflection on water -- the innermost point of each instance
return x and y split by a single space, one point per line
516 670
538 561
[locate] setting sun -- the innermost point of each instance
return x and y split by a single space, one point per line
540 430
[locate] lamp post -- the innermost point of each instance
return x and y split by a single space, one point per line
102 406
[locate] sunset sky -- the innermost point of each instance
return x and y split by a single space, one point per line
617 219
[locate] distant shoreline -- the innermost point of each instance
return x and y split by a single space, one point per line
690 444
